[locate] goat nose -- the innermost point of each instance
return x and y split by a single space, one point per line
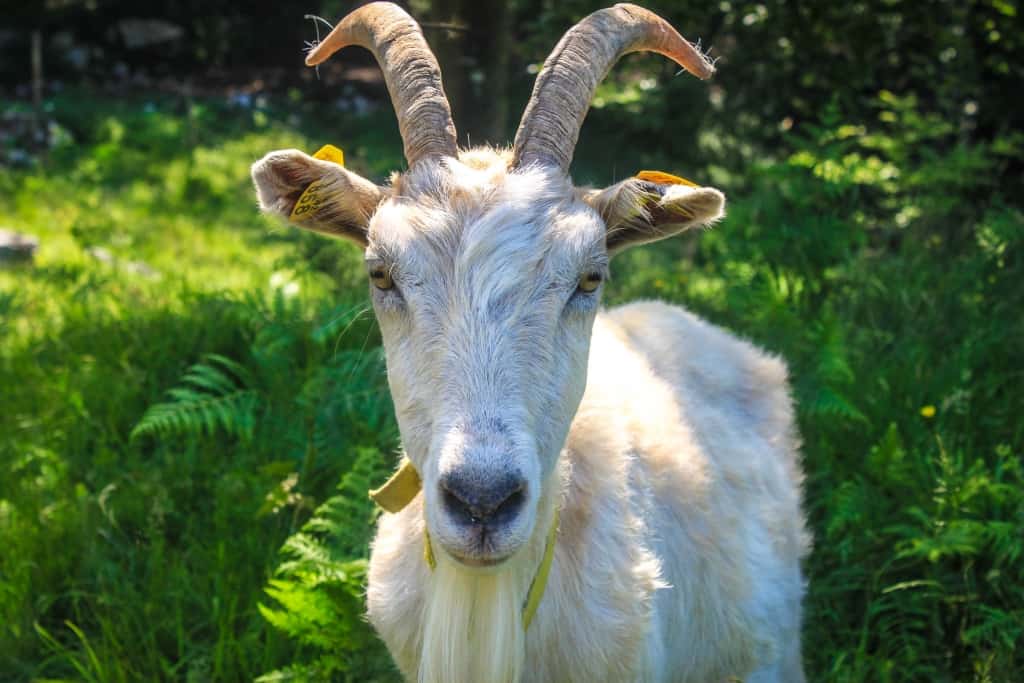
477 500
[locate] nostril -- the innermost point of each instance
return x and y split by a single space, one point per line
509 508
458 508
487 503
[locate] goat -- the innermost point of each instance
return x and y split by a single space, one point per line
587 495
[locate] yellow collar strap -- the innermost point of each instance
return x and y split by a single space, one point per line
540 579
399 490
402 487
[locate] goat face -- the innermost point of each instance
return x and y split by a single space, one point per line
486 267
485 279
485 284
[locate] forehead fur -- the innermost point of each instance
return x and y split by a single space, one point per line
476 212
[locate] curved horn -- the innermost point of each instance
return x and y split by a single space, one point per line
561 96
410 70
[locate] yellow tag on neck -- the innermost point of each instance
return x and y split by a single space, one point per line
662 178
400 489
397 492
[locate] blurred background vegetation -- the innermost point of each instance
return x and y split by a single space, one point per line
192 402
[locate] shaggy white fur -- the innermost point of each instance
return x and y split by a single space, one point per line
668 444
480 611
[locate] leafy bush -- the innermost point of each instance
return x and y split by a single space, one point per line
320 586
343 403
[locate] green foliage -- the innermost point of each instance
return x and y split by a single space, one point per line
144 558
780 63
176 415
213 394
320 585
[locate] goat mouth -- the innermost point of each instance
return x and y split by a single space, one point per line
481 553
480 562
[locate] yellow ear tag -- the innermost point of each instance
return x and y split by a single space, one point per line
662 178
309 202
312 197
330 153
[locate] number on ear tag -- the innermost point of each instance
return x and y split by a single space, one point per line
312 197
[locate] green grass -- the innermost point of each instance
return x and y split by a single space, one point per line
172 437
141 558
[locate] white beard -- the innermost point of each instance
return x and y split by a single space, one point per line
473 626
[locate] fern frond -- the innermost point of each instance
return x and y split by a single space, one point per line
213 394
339 530
829 402
319 588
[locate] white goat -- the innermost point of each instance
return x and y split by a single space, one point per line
635 471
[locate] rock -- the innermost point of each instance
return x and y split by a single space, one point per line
142 32
16 246
140 268
101 254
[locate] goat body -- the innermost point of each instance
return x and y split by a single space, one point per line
657 451
678 555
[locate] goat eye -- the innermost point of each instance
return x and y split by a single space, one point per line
381 278
590 282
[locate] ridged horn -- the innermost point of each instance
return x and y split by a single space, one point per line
561 96
410 71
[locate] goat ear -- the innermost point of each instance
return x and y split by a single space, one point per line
315 194
653 206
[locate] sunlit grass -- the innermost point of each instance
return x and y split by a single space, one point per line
124 560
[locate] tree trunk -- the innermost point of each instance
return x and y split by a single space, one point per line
37 86
472 39
489 43
446 32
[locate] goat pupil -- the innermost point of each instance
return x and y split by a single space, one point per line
380 279
590 282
